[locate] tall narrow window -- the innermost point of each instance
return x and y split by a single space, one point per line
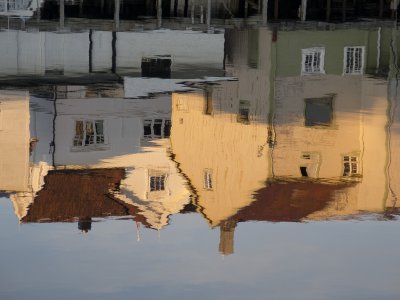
208 179
208 105
351 166
167 128
244 112
319 111
147 124
157 127
313 61
353 60
90 132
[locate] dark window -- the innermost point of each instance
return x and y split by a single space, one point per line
319 111
157 183
167 128
303 171
147 128
156 67
208 109
244 112
157 127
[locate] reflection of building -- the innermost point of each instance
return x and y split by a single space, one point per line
110 156
20 8
220 134
50 53
301 136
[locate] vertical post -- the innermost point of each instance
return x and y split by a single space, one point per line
114 53
102 7
81 8
303 12
192 12
159 13
201 14
91 51
328 10
344 8
62 14
116 14
276 10
5 6
38 11
265 12
381 2
208 13
246 9
175 8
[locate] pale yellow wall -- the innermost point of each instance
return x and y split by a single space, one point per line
237 154
330 143
373 190
359 120
14 141
233 151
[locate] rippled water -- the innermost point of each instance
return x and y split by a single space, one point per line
247 163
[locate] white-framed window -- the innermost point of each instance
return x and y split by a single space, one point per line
208 179
156 128
313 61
353 62
157 181
351 165
88 133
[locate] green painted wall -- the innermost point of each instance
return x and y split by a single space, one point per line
290 43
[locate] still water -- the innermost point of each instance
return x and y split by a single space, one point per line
248 163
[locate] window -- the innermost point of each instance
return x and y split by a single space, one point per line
319 111
208 105
353 60
350 166
244 112
208 180
89 132
303 171
157 66
157 183
156 128
313 61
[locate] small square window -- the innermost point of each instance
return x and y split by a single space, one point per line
319 112
90 132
